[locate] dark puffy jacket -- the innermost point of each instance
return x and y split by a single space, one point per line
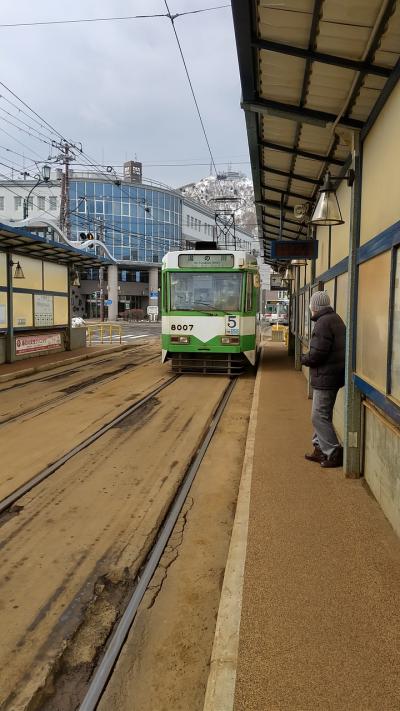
326 356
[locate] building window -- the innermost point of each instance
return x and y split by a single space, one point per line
372 327
188 220
155 258
17 202
395 364
30 202
1 203
53 202
41 202
191 220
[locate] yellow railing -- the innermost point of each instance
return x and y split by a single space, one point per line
104 330
280 333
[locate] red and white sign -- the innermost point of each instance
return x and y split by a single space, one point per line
37 343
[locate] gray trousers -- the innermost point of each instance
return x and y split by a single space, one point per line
324 435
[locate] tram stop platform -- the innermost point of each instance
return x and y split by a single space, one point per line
309 615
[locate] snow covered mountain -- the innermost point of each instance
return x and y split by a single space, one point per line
238 188
234 186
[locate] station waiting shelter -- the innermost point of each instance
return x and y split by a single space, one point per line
36 276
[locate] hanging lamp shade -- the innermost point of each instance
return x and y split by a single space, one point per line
289 276
327 210
18 274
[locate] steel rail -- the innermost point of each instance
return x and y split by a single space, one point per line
45 473
60 399
104 670
43 376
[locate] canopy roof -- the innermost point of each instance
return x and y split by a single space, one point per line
21 241
310 71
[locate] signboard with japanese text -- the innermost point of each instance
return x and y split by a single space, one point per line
199 261
37 343
133 171
294 249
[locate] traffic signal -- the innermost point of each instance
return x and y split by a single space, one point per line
86 235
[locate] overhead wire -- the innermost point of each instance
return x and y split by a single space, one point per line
15 106
86 220
32 128
32 110
90 162
172 17
20 142
2 175
109 19
23 130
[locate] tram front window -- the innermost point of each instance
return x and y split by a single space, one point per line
191 291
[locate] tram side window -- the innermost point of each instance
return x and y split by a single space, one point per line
249 292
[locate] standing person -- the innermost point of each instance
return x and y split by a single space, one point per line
326 360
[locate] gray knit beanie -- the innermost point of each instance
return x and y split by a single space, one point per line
320 300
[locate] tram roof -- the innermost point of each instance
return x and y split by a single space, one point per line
307 67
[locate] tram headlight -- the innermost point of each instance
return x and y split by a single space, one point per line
230 340
180 339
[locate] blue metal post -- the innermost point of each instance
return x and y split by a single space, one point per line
352 413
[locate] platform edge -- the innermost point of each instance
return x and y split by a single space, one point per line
220 691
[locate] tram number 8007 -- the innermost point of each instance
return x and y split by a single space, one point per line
182 327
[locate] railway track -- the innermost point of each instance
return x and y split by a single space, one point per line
104 669
71 392
13 498
67 369
37 525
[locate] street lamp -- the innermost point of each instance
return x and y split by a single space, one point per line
43 178
327 210
18 274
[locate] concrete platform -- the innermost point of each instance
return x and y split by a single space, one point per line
319 605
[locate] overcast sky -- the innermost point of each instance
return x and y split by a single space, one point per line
120 87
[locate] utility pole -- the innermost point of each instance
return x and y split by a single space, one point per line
101 275
65 157
64 212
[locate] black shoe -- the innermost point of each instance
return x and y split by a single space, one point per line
334 461
316 456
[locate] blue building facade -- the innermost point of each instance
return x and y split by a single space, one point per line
138 223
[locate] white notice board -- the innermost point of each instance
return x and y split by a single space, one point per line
43 310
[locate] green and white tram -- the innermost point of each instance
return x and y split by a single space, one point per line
210 310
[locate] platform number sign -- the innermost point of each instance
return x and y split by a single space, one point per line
232 325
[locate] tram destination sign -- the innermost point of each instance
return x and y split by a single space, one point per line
291 249
199 261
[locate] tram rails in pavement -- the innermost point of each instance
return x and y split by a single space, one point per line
173 497
102 673
70 391
13 498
